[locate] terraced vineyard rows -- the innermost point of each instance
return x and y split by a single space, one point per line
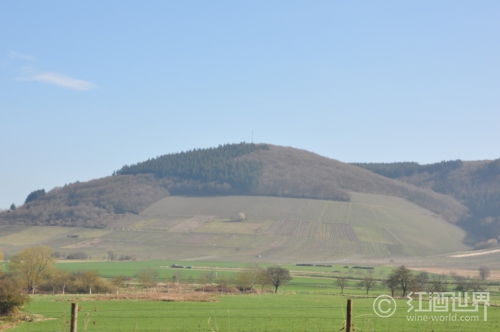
275 229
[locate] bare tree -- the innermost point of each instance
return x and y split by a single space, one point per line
210 276
437 283
253 271
367 283
463 284
476 285
32 264
178 277
62 278
243 281
278 276
118 281
223 282
341 282
56 279
202 280
148 277
111 255
87 279
484 272
403 277
422 280
246 279
263 279
393 283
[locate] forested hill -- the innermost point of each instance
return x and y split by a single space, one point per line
232 169
474 183
206 165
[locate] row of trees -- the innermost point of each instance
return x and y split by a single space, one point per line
32 270
245 281
404 280
274 275
400 279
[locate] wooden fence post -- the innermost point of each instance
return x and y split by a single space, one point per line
349 316
74 316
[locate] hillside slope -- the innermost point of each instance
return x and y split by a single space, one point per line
233 169
275 230
90 204
476 184
290 172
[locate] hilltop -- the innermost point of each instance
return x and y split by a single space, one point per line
232 169
296 205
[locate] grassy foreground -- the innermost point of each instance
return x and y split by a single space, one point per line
270 312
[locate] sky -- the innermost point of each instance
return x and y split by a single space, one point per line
89 86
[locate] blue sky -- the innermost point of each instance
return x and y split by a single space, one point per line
86 87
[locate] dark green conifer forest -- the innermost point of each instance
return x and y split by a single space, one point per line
206 165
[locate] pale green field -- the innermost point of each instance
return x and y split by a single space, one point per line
310 302
270 312
33 235
284 230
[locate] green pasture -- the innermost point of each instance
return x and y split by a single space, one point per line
270 312
127 268
130 268
305 278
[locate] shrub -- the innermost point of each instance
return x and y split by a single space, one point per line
89 282
77 255
127 258
11 297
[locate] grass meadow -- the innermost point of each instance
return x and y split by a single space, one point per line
303 275
310 302
268 312
305 278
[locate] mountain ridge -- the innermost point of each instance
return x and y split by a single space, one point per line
242 169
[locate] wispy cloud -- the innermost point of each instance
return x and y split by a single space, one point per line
15 55
61 80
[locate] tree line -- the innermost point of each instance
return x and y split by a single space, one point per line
32 271
402 280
